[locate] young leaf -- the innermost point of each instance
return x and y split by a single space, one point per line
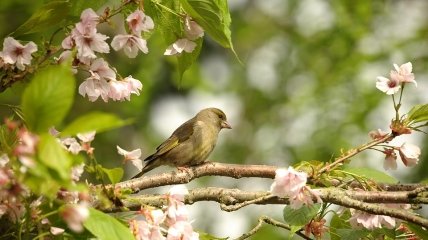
418 113
214 17
185 60
114 174
94 121
106 227
52 155
418 230
372 174
48 98
49 15
297 218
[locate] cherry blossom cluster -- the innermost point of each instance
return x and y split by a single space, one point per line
73 145
292 184
397 77
409 153
102 82
369 221
172 221
192 31
14 54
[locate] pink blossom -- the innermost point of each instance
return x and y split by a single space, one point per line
369 221
143 230
132 156
390 159
130 44
388 86
182 230
404 73
409 154
77 171
27 143
134 85
288 182
16 53
86 137
71 145
119 91
4 160
192 29
56 231
178 192
179 46
100 69
377 134
5 177
138 21
67 43
94 88
89 18
74 215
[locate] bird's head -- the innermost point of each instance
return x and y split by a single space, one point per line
214 116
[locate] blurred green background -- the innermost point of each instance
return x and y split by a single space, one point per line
306 90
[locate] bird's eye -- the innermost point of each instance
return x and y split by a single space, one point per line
221 116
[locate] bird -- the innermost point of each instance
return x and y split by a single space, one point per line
191 143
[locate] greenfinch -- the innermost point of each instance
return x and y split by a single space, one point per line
191 143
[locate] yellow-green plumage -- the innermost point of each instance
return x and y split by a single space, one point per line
191 143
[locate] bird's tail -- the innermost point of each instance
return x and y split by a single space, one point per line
150 165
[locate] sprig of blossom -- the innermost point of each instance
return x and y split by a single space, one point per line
292 184
15 53
397 77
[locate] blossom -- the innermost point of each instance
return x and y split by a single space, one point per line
130 44
292 184
74 215
404 73
86 137
192 30
56 231
288 182
4 159
77 171
388 86
178 192
16 53
143 230
100 69
409 154
370 221
95 88
71 145
119 91
132 156
138 21
134 85
179 46
182 230
390 159
377 134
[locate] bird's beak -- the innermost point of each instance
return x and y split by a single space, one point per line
225 124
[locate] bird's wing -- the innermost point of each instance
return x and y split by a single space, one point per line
180 135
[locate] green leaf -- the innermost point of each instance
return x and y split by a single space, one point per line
206 236
372 174
297 218
214 18
49 15
418 113
418 230
48 98
114 174
106 227
94 121
52 155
